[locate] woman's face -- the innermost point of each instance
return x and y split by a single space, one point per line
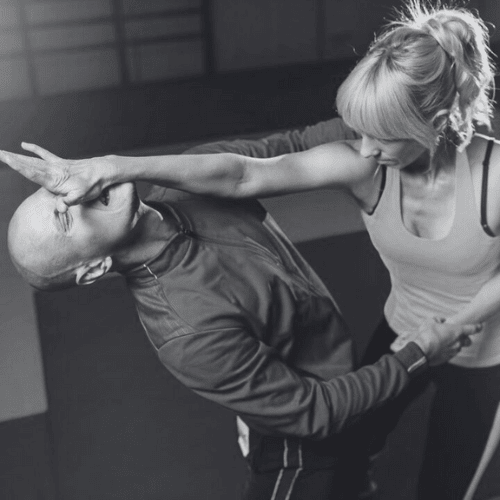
394 153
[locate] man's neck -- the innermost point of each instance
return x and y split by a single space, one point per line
148 238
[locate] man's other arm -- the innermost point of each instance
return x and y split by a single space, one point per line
241 373
280 143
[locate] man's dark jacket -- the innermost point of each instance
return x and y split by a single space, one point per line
237 315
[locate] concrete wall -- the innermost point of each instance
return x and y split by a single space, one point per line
109 43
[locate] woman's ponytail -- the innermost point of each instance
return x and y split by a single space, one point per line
464 39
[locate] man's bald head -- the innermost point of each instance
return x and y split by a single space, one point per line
54 250
40 254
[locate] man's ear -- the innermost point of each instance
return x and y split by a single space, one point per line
91 271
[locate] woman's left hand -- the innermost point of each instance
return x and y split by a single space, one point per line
73 181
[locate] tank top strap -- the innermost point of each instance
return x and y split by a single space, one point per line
387 210
465 208
388 204
484 189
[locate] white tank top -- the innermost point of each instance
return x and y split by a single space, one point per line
437 277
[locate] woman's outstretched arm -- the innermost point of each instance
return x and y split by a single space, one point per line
333 165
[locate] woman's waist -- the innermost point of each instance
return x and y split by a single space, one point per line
485 348
430 298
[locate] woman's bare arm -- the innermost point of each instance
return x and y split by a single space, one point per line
334 165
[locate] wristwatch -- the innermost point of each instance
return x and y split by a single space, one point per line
412 358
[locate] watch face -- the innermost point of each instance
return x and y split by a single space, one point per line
417 364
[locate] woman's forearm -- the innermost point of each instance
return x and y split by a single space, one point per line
212 174
482 306
334 165
212 169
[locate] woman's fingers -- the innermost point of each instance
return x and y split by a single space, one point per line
73 198
41 152
61 206
27 166
466 342
53 173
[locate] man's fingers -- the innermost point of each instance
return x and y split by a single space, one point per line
41 152
395 346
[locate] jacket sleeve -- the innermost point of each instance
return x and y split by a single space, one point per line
245 375
281 143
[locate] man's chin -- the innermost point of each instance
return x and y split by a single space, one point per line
136 200
142 210
138 210
121 197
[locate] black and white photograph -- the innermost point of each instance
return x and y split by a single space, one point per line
250 250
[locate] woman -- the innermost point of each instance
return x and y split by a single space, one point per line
420 177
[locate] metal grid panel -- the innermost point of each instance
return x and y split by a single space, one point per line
56 46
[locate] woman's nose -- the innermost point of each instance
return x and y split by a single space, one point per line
369 148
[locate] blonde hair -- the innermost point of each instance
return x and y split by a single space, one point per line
428 75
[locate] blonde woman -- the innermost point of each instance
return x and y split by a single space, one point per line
427 187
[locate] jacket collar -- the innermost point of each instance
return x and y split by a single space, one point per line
176 246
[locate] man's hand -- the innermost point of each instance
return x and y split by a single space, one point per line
74 181
440 341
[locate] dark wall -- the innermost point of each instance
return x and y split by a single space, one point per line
103 121
222 103
26 459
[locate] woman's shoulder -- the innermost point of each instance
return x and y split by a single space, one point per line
349 151
477 149
477 154
345 156
362 176
334 165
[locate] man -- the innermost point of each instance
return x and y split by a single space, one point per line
233 311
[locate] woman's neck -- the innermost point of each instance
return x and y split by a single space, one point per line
428 168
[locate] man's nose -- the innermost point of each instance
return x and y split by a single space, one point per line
369 148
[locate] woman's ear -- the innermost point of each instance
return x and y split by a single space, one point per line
91 271
440 121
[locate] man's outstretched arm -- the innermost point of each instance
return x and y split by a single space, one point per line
283 142
241 373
